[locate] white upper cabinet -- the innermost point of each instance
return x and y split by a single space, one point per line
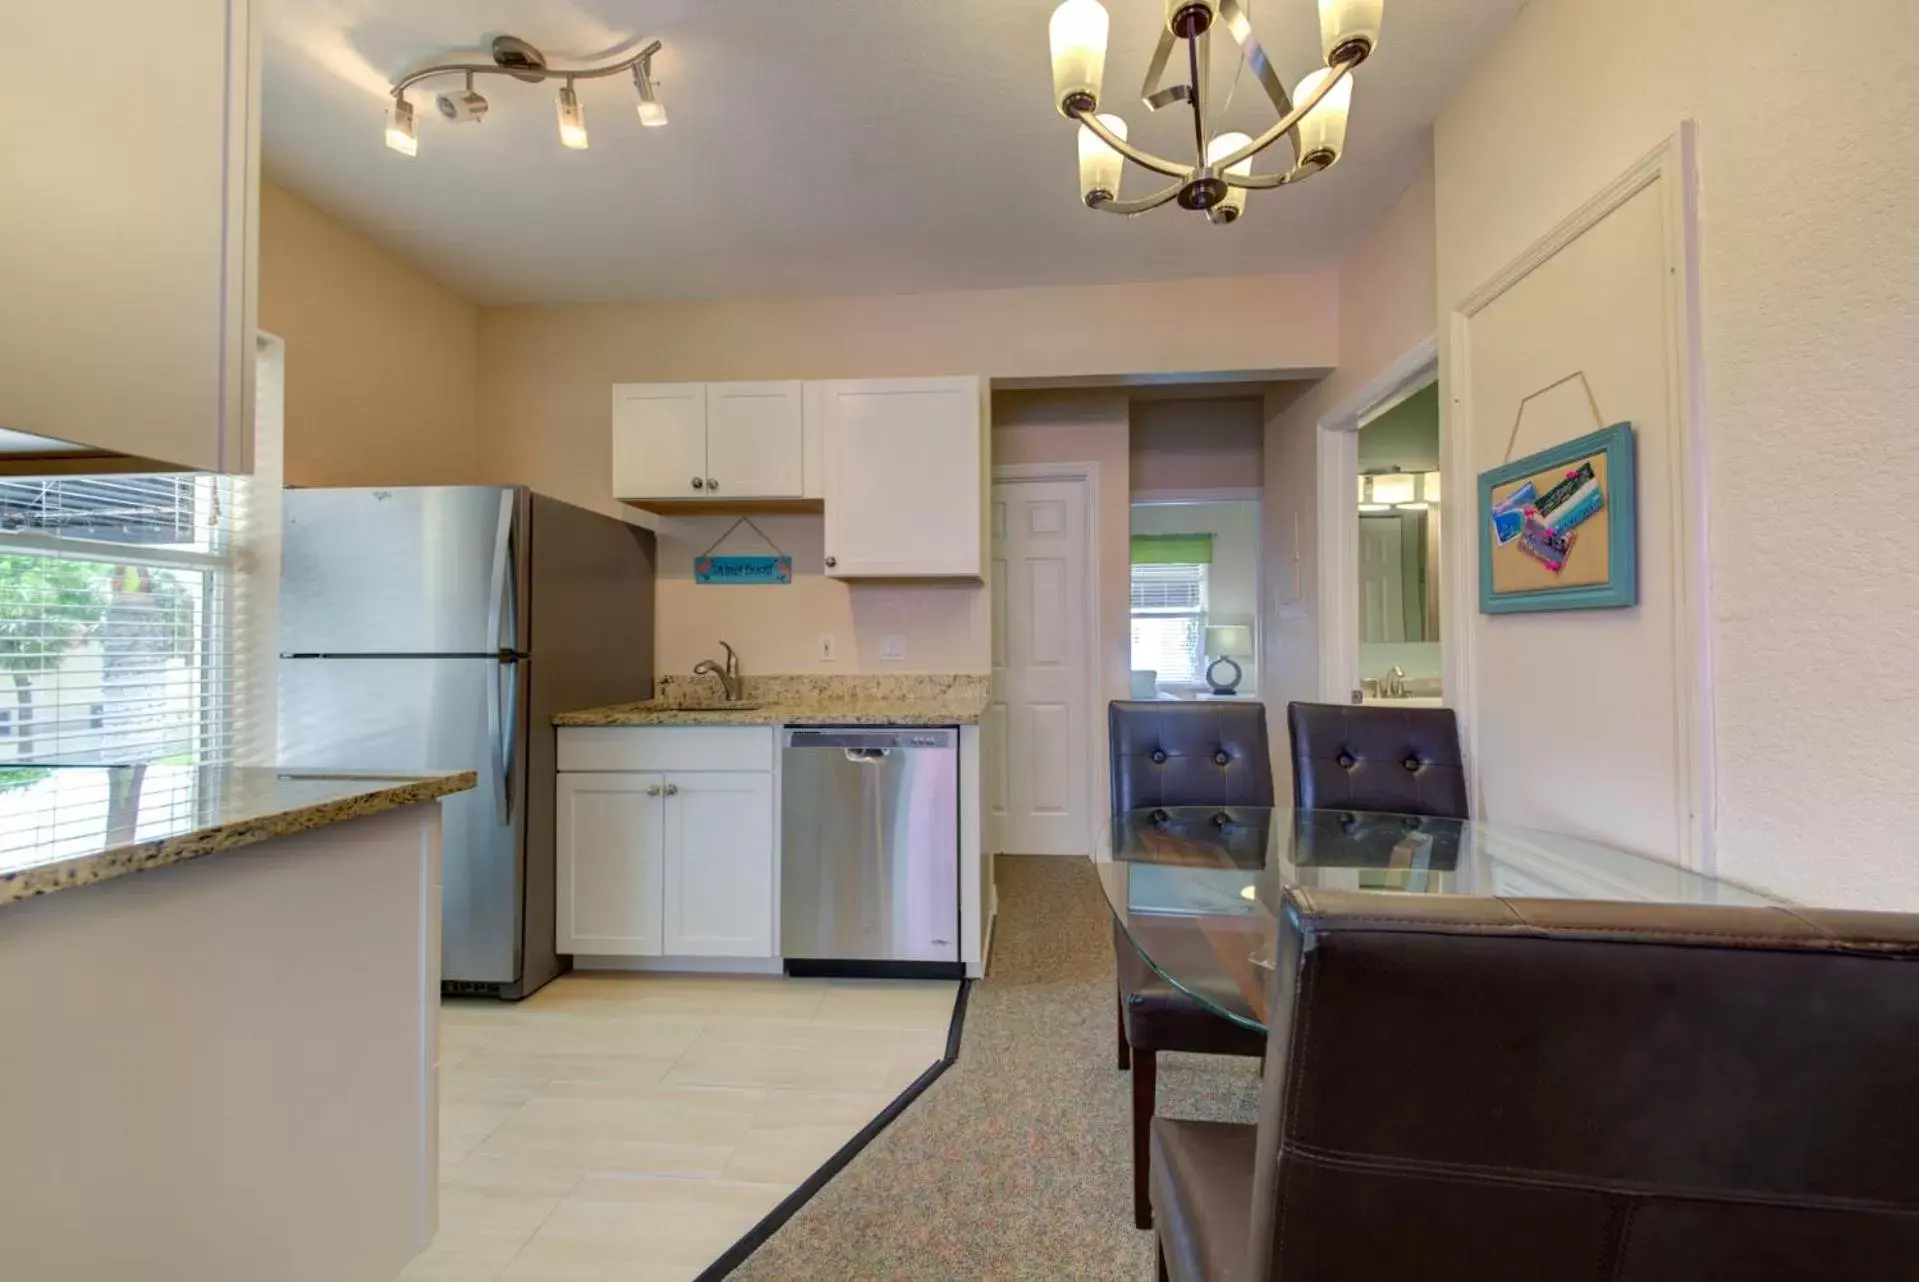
659 440
905 472
676 443
753 440
129 156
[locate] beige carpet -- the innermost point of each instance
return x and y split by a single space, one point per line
1016 1162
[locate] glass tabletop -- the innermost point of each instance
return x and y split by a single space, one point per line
1197 888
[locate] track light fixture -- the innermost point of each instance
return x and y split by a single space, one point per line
515 57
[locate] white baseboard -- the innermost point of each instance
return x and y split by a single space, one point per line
690 965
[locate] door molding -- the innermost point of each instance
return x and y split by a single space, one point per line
1336 457
1087 476
1672 163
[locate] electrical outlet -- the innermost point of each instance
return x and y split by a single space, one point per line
826 648
893 647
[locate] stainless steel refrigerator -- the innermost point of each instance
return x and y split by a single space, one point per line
441 628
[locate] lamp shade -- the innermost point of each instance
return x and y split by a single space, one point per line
1324 127
1344 21
1222 146
1078 36
1100 165
1232 640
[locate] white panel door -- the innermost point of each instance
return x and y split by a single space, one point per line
659 440
1608 681
905 475
1042 657
129 202
755 441
610 851
719 864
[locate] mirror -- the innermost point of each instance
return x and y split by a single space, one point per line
1398 513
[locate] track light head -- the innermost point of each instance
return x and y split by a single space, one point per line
399 127
463 107
572 118
652 110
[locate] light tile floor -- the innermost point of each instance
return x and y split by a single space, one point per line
634 1127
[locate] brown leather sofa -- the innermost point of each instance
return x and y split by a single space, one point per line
1470 1088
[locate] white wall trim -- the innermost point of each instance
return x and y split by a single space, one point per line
1087 475
1336 456
1673 162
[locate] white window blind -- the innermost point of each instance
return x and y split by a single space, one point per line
1169 622
119 620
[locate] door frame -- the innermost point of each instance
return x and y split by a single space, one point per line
1086 475
1336 456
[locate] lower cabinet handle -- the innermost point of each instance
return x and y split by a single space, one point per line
672 790
654 791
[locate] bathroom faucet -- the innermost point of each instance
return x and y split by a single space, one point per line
728 673
1394 684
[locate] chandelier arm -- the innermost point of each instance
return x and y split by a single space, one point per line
1240 24
1341 68
1262 182
1144 159
1162 52
522 73
1140 206
1199 62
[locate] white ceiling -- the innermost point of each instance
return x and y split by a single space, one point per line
824 146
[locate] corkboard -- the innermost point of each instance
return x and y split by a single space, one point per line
1588 562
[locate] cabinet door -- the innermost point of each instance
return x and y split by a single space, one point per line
719 865
611 855
130 135
754 441
659 440
905 473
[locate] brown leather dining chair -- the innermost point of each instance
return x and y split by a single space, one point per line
1402 761
1461 1089
1171 753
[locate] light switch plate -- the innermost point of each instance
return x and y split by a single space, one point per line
893 647
827 654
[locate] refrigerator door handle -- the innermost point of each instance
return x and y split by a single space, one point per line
499 723
506 759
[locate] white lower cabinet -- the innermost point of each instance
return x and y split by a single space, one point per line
611 844
719 865
663 861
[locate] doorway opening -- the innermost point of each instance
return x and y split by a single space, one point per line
1397 508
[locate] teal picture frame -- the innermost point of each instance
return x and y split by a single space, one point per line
1621 588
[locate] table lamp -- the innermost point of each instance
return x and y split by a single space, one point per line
1223 645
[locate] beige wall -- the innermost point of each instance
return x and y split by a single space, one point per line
546 372
1386 309
1197 445
1085 427
1809 318
382 362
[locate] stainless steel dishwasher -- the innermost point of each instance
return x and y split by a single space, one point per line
869 851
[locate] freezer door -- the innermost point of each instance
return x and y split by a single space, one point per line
423 715
434 570
869 849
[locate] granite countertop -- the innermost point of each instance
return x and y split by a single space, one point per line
78 825
803 701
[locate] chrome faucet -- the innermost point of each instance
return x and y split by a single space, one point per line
1394 684
728 673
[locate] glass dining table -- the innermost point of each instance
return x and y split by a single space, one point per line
1197 888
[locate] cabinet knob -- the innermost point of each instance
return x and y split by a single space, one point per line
832 561
698 484
672 790
712 484
653 791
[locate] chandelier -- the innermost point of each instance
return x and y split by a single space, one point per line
515 57
1312 117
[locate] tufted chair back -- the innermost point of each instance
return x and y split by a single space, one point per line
1199 753
1366 757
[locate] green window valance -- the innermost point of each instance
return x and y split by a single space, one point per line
1172 549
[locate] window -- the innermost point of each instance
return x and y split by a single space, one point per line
116 618
1169 622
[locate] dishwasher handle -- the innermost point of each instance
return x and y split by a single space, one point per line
863 739
867 756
